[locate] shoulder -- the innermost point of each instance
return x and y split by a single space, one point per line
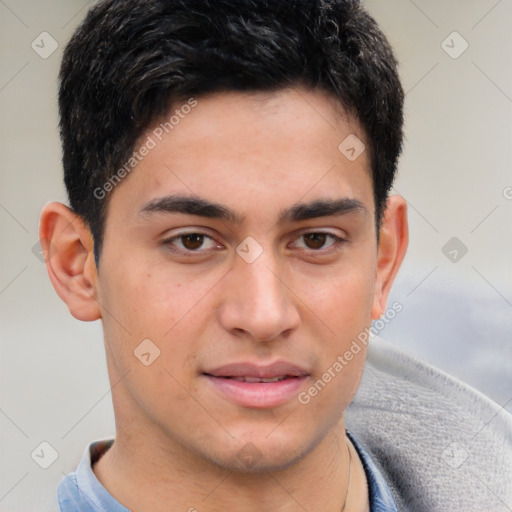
440 444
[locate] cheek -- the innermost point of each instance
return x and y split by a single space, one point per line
341 307
172 310
152 302
342 300
333 387
153 314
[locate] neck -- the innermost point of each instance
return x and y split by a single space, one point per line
146 472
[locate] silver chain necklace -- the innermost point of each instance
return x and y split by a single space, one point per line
348 479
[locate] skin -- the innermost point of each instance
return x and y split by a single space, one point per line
177 438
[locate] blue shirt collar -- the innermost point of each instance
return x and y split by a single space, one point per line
82 491
381 499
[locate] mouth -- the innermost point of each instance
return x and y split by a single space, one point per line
255 386
259 379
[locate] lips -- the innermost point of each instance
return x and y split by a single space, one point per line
278 369
259 379
257 386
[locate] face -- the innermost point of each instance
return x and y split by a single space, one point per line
247 301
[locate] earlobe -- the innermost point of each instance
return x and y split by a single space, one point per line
68 247
394 238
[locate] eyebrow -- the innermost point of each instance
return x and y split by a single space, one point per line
193 205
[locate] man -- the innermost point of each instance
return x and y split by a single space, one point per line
228 166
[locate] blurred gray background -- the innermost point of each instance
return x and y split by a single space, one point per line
455 284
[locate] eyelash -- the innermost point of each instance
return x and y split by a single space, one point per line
190 253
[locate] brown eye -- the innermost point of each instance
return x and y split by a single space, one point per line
319 242
192 241
315 240
191 244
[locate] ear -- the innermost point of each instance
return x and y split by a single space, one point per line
394 238
68 246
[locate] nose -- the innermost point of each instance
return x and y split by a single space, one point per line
258 302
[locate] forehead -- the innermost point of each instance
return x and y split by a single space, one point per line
251 149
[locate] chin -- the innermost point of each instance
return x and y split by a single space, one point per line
250 460
262 453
